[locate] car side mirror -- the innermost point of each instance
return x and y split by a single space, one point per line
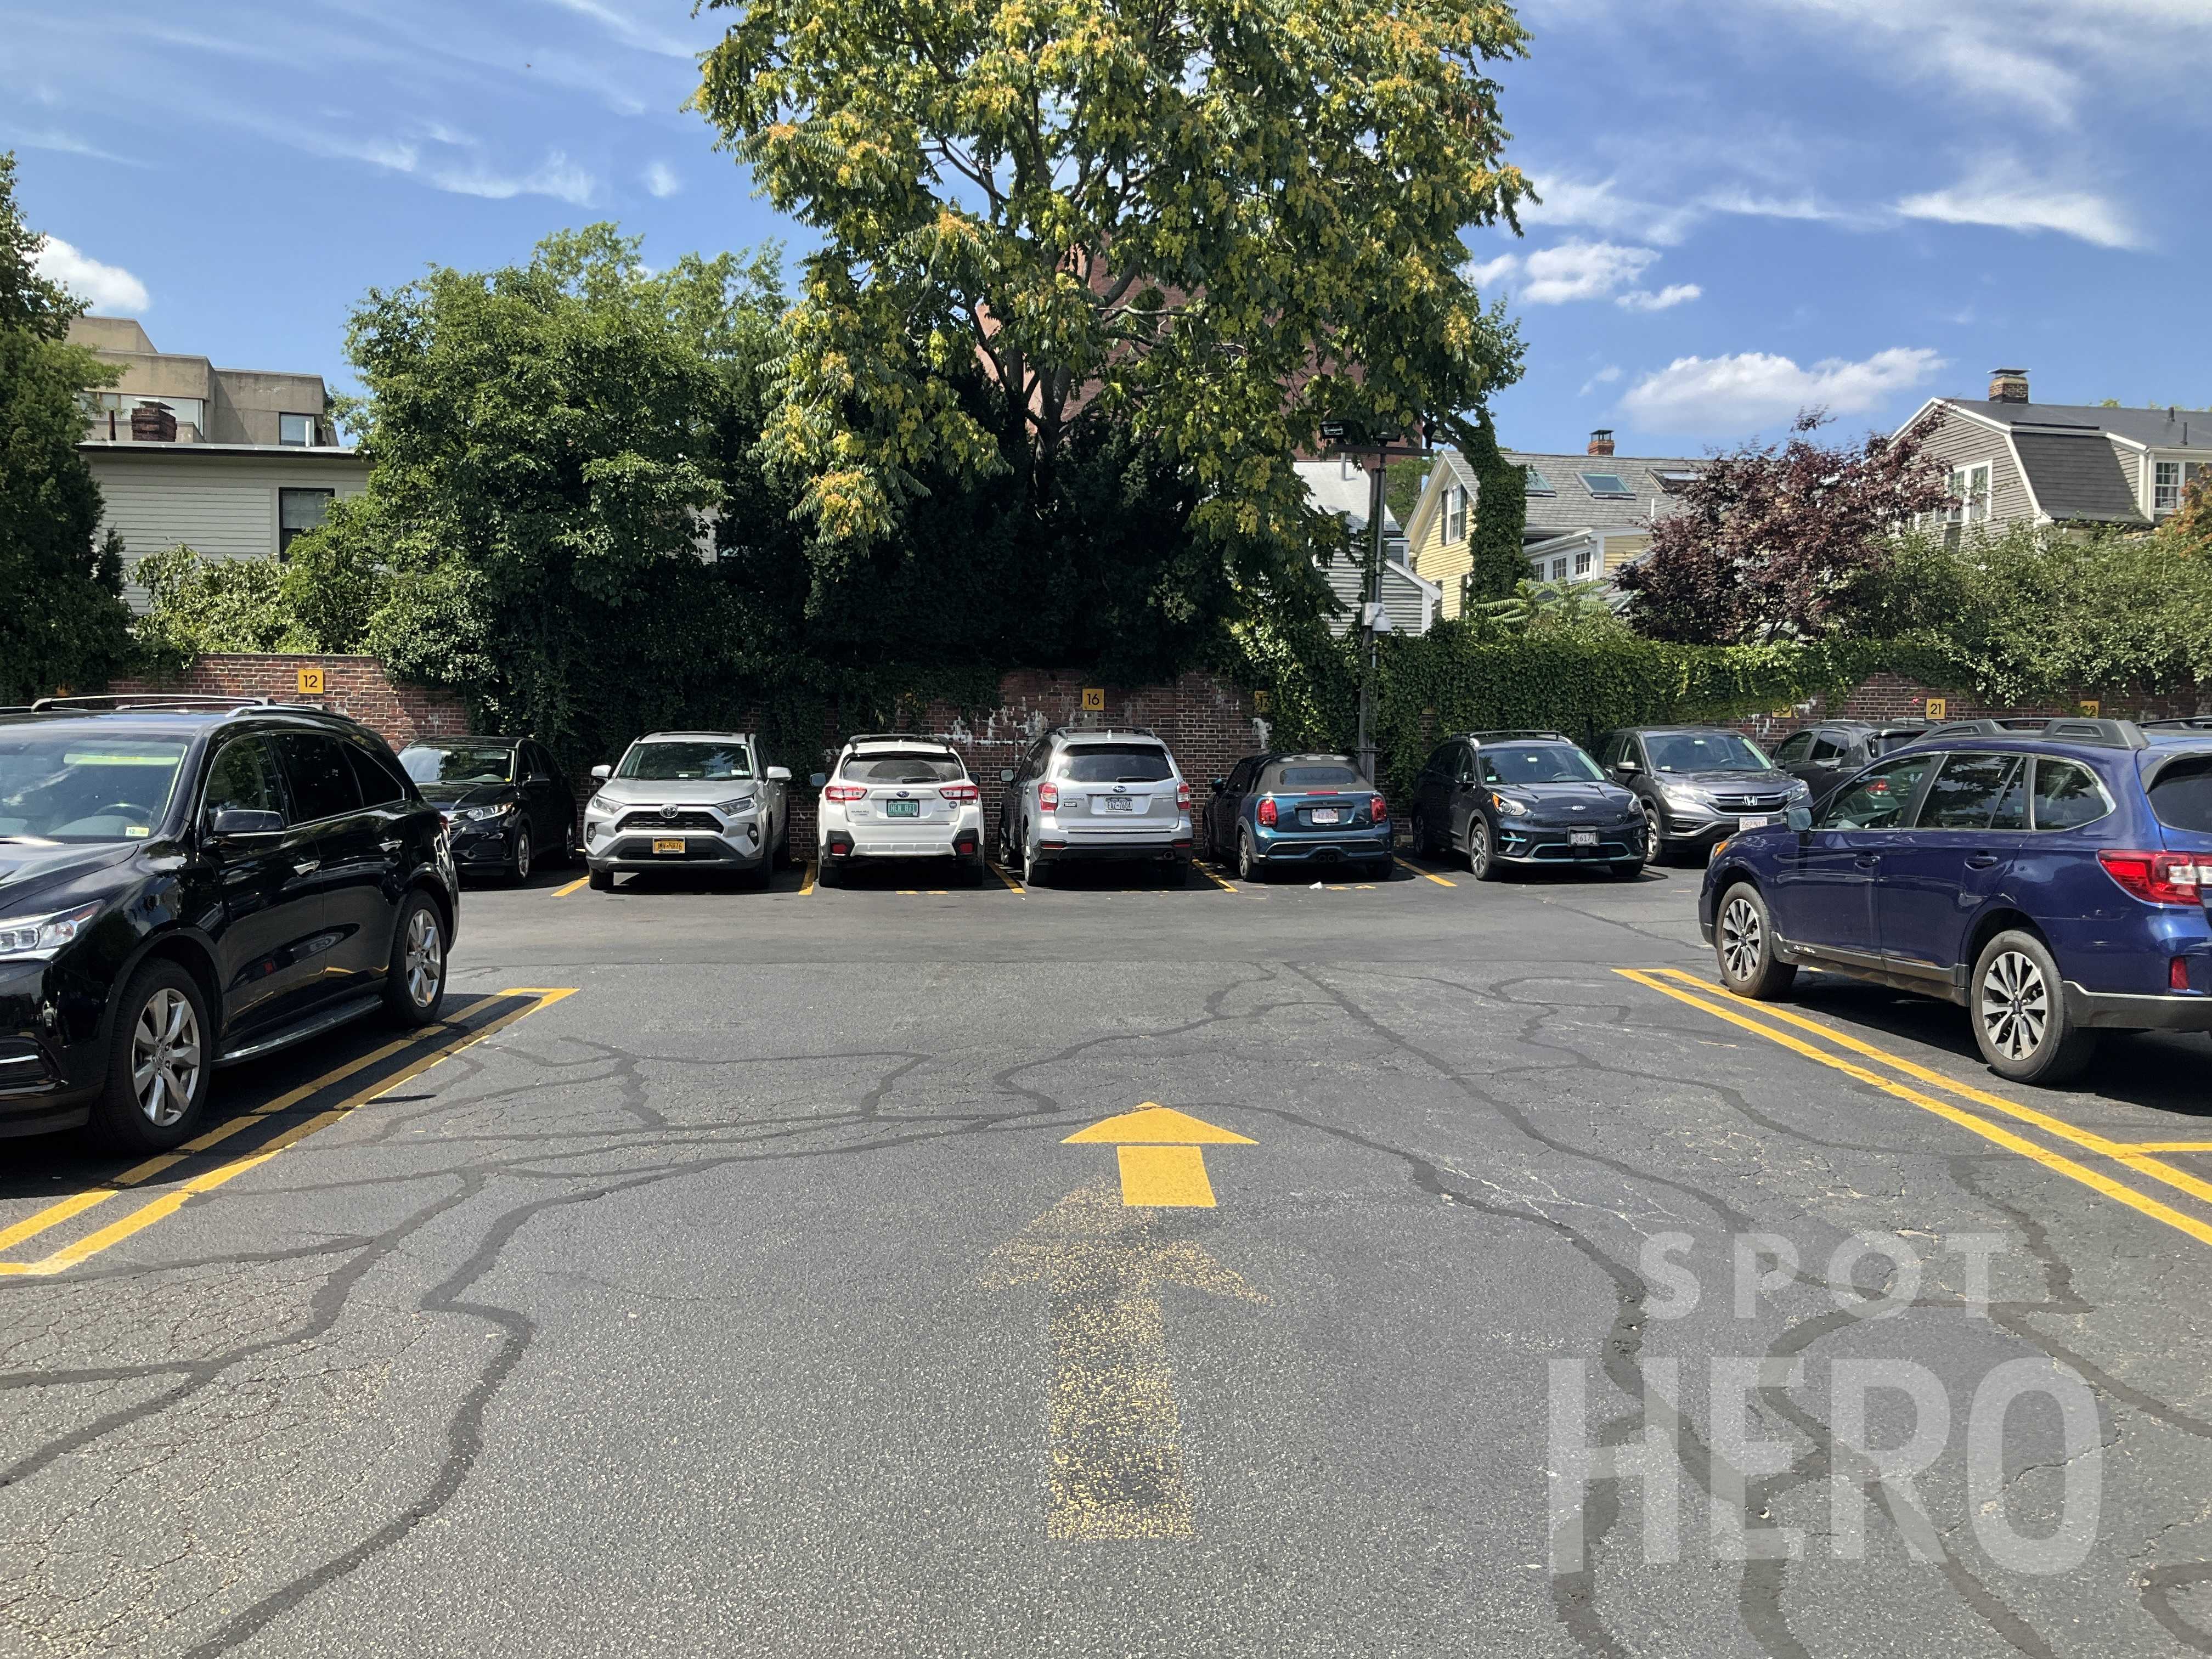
1801 819
1626 766
1005 774
1220 784
816 780
538 777
601 774
779 775
243 821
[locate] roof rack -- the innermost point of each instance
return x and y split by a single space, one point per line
896 737
1514 736
1106 731
2065 728
2179 722
149 700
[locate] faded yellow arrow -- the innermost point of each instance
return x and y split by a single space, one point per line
1115 1430
1163 1165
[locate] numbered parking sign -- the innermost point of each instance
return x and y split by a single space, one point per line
2091 708
1094 698
311 682
1936 708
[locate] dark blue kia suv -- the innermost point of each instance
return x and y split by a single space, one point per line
2049 876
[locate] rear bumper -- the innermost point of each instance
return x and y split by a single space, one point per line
2120 1011
1365 844
1051 851
968 844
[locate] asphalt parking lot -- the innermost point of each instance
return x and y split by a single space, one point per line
721 1277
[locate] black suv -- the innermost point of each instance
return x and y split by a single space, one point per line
1821 756
186 882
1697 784
505 798
1505 798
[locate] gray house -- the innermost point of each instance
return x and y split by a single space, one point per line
2013 460
1341 487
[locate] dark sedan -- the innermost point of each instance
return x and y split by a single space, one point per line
1509 797
505 797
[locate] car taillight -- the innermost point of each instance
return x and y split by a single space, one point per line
1182 797
1268 812
2177 973
2157 878
1049 797
1377 808
961 792
844 792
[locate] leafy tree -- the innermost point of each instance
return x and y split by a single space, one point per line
63 622
1497 566
197 605
2189 528
1782 542
1205 226
1403 480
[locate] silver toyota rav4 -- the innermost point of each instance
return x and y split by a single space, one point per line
692 800
1085 794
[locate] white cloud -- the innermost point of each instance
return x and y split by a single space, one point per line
558 176
1752 389
109 287
1488 273
628 29
2002 194
463 175
660 179
1665 300
1603 207
1605 376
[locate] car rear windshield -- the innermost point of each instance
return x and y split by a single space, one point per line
439 762
2181 794
1117 762
904 768
79 788
1314 777
1556 762
1882 742
685 762
1705 751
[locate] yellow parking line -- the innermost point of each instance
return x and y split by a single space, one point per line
1425 876
580 881
146 1215
1014 886
1210 876
2096 1182
2166 1174
2168 1145
807 886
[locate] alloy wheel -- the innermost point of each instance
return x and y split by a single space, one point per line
1743 938
522 854
1653 839
422 957
1248 868
164 1057
2016 1005
1478 844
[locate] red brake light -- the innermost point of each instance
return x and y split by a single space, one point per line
961 792
844 792
2156 878
1268 812
1182 797
1378 809
1049 797
2177 973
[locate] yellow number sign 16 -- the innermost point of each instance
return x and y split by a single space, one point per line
1094 698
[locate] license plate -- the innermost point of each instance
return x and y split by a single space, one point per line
1758 821
1113 803
901 809
669 844
1328 815
1582 838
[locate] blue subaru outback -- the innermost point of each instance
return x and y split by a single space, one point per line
2049 876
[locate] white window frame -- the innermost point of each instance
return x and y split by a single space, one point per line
1583 560
1971 485
1455 513
2166 497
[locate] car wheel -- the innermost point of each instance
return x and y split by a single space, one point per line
783 842
1033 867
518 861
1379 870
1655 838
1744 945
415 980
1248 868
1425 844
2018 1002
1481 860
161 1063
603 881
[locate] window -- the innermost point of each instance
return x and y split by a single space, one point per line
381 781
1559 570
244 776
1319 777
2181 795
1115 763
322 783
1550 764
1615 749
299 511
1826 750
1971 484
1705 751
189 411
1240 777
1966 792
1455 513
1538 483
440 762
298 430
2170 479
1583 563
1795 748
1607 486
1880 799
698 761
2067 796
1674 483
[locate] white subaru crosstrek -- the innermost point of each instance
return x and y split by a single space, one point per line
894 797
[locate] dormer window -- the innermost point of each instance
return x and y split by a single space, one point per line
2171 478
1538 483
1674 483
296 430
1607 486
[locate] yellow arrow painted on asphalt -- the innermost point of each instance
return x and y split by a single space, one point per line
1163 1165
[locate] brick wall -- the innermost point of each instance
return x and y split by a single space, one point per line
351 685
1888 697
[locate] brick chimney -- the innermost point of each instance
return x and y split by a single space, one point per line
152 423
2008 385
1601 441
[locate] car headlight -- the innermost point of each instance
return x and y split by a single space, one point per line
599 806
1507 805
730 809
41 935
1800 790
1685 800
482 814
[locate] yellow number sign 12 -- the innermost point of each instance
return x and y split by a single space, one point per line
311 682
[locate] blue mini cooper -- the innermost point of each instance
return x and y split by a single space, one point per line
2049 876
1276 811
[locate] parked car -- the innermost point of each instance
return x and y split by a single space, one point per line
896 796
505 798
2052 881
1083 795
693 800
1508 798
1697 784
1276 810
1821 756
188 882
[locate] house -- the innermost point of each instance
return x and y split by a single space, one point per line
2013 460
235 463
1342 487
1589 514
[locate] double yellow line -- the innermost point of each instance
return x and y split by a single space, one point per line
176 1198
2135 1157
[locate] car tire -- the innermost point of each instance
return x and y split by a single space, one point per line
1743 946
1482 861
1655 850
1249 865
519 858
603 881
161 1023
1379 870
783 853
415 977
1034 869
1425 844
2017 1002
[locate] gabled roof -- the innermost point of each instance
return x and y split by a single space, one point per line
2076 476
2149 428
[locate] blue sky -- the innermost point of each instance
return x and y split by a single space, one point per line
1749 204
